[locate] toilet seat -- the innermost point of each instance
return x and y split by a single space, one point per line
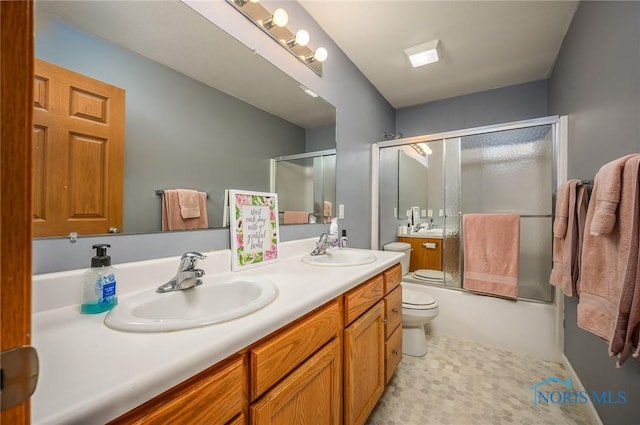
415 300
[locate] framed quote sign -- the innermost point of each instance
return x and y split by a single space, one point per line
253 228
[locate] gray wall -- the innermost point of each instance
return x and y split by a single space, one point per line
363 116
180 133
320 138
596 81
513 103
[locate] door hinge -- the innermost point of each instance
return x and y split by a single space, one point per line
18 375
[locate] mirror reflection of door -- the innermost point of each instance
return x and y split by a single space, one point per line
78 153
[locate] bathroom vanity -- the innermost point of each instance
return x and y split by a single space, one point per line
324 348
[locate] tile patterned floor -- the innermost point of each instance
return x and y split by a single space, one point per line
464 383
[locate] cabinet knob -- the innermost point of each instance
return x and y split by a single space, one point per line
384 321
395 310
395 352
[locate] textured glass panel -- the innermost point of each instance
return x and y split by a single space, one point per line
511 172
535 258
451 255
507 171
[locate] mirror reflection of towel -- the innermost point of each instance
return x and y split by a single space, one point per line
295 217
189 201
171 212
327 211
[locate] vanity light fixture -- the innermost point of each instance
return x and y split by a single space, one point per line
301 39
275 25
424 54
280 18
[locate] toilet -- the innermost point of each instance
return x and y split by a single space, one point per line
418 306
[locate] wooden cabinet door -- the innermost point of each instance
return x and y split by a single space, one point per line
309 395
364 354
426 253
78 153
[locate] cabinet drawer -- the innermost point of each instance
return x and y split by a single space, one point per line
393 353
392 278
271 360
239 420
359 299
214 396
392 311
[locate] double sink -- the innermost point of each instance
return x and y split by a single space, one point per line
213 302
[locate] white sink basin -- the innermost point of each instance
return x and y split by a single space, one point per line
430 232
341 257
203 305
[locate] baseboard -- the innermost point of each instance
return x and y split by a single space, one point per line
579 387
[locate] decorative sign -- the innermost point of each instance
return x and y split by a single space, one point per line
253 228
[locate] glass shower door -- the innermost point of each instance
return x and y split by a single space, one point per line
510 172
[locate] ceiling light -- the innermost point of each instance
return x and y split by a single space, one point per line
424 53
279 18
308 91
301 39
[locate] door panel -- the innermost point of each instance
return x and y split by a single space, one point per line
78 153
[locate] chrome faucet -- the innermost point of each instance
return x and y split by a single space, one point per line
322 245
187 276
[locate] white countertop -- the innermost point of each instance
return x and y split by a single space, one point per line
421 235
91 374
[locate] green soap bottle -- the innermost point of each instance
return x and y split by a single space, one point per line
99 289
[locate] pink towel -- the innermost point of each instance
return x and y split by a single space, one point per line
295 217
568 228
608 254
627 324
171 214
491 253
189 201
327 211
604 216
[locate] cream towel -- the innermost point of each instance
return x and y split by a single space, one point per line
189 201
606 251
568 229
491 253
172 218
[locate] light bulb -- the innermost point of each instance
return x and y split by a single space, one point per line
280 17
302 38
321 54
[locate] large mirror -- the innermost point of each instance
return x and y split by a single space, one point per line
203 111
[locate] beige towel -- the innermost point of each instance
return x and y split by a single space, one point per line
189 201
624 340
568 228
295 217
491 253
606 253
172 218
327 211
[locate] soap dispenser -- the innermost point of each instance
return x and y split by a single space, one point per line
99 291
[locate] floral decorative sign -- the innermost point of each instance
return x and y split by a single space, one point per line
254 228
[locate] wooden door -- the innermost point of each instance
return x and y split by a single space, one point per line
78 153
364 354
309 395
16 88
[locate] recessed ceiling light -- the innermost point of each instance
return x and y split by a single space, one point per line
424 53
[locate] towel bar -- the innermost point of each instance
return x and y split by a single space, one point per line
161 191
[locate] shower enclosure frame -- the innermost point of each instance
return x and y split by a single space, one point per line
558 164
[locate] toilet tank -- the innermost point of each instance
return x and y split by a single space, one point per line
404 248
